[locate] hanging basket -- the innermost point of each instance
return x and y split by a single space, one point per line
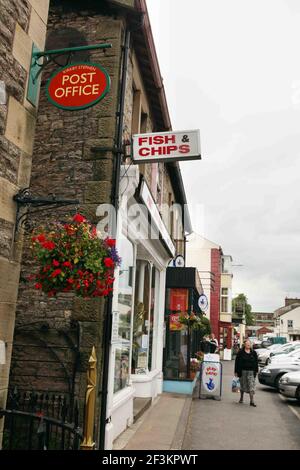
71 257
191 321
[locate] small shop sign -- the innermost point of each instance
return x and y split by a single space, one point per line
175 324
78 86
166 146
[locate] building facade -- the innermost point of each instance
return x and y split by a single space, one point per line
215 272
287 320
264 319
74 156
22 23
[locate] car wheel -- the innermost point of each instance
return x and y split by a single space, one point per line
276 383
298 394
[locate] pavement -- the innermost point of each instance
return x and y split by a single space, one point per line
228 425
177 422
161 427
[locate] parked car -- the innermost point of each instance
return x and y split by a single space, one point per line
271 374
266 343
264 353
286 348
289 385
287 357
276 349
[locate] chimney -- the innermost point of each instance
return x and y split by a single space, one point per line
291 301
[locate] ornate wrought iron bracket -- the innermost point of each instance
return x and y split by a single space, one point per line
39 60
25 201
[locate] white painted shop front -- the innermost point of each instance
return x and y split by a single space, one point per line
138 310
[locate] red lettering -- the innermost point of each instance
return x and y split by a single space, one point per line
144 152
157 151
184 148
143 140
170 138
158 139
171 148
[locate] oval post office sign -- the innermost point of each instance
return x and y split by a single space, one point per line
78 86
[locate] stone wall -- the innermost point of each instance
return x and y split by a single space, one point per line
22 22
54 337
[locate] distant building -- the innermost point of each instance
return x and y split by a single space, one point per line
264 319
287 320
216 278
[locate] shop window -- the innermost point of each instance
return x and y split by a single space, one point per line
145 311
151 316
124 311
176 352
141 318
224 300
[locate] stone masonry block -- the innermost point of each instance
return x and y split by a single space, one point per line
24 170
103 170
37 30
6 236
109 28
7 205
88 310
22 47
7 321
9 280
41 7
20 126
97 191
106 126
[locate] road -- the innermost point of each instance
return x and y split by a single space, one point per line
228 425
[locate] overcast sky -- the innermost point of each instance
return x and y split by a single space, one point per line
232 69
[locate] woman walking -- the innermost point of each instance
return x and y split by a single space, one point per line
246 368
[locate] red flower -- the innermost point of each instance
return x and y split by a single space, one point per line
68 264
108 262
105 292
86 283
55 263
79 218
48 245
51 293
70 280
55 273
38 285
41 238
111 242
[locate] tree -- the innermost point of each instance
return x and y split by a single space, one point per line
204 326
239 302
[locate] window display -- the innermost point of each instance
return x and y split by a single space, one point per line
146 286
125 299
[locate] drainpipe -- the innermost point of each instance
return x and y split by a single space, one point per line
115 201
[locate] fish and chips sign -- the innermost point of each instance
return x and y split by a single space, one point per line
78 86
166 146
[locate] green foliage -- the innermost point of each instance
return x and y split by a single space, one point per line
199 323
70 257
239 300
